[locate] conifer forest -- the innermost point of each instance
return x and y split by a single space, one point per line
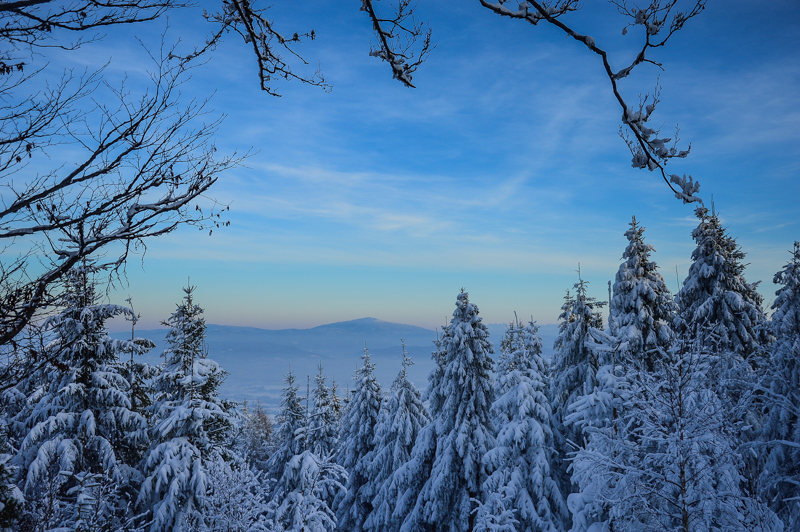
658 410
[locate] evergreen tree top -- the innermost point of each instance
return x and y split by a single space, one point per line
642 306
187 328
717 306
578 315
402 377
786 319
519 345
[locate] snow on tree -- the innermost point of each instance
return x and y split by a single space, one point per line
12 501
77 427
190 423
642 308
463 428
521 477
401 419
574 367
337 405
300 503
658 21
670 463
254 438
411 477
720 314
495 516
290 436
780 479
236 499
357 441
139 374
323 423
718 310
306 484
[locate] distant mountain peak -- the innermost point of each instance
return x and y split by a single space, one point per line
362 324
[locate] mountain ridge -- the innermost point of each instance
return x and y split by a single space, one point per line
258 359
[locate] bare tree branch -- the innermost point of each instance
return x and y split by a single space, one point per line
660 20
397 36
145 163
257 30
31 23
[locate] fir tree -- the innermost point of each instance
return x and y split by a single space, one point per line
12 502
323 423
190 423
411 477
77 425
780 479
236 499
290 438
521 477
306 484
358 440
720 316
253 441
671 463
401 419
642 308
302 492
464 430
718 310
574 369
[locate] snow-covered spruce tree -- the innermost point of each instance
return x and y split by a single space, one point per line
780 479
139 374
401 419
671 463
357 439
600 415
190 424
337 405
254 437
639 336
236 499
718 310
642 308
521 476
720 315
12 502
463 424
290 436
77 426
322 435
574 368
410 478
495 516
305 483
300 503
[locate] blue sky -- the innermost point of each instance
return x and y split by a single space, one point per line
500 173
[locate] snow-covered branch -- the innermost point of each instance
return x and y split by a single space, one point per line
143 163
397 36
660 20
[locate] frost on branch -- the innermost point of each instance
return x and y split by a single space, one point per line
660 20
688 188
533 12
273 50
397 36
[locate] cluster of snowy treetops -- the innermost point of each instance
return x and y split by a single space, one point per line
682 414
